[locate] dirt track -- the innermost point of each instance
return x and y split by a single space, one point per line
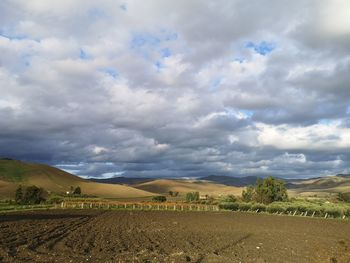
125 236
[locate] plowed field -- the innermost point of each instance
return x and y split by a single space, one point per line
154 236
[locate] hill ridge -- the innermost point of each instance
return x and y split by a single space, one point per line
15 172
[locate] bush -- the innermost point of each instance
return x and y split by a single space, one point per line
192 197
172 193
334 212
33 195
160 198
229 206
244 206
77 191
292 208
55 200
273 208
259 207
230 199
19 195
303 208
270 190
347 211
248 194
319 211
344 197
266 191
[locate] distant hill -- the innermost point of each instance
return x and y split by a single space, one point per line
232 181
343 175
318 186
14 173
121 180
163 186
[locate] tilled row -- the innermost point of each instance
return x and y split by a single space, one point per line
150 236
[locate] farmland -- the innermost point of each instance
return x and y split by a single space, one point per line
170 236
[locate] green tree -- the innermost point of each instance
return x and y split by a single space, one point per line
345 197
248 193
19 195
33 195
270 190
160 198
192 196
77 191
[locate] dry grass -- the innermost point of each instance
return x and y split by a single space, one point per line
55 180
163 186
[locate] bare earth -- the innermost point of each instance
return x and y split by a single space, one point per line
159 236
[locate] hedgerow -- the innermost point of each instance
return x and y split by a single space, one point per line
297 207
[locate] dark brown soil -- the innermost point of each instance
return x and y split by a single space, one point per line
154 236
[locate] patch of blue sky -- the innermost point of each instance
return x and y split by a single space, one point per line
325 121
215 83
236 112
83 55
112 174
158 65
111 72
147 44
14 37
247 113
263 48
143 39
165 52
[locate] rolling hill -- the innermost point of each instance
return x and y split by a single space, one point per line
121 180
318 186
163 186
14 173
230 180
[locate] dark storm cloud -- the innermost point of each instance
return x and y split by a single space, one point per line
176 89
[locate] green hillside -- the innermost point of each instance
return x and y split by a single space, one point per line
14 173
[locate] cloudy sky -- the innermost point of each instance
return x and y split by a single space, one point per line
177 88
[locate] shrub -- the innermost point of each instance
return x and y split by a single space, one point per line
248 193
160 198
347 211
33 195
230 199
172 193
291 208
273 208
259 207
303 208
55 200
19 195
244 206
318 210
270 190
334 212
345 197
229 206
266 191
77 191
192 196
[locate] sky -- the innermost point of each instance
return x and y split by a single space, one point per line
177 88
